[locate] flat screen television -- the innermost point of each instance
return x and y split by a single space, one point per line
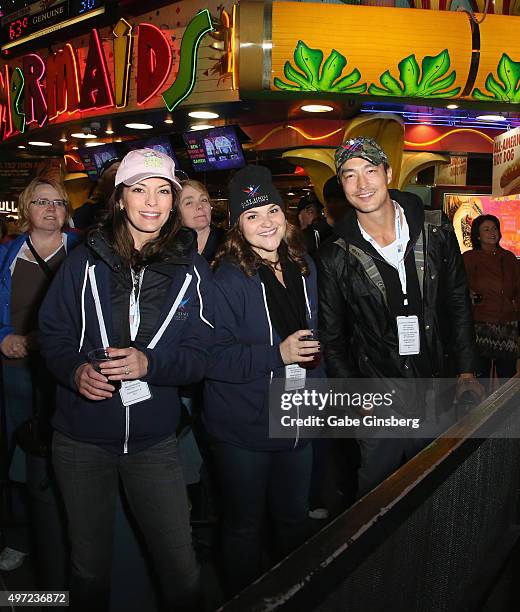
214 149
159 143
93 158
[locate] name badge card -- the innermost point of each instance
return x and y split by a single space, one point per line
134 391
294 377
409 337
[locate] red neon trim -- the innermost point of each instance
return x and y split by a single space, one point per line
167 72
39 85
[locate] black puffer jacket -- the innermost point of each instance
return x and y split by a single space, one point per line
358 330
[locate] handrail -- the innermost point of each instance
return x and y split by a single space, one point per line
304 578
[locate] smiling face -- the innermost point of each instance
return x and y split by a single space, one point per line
49 218
365 185
264 228
148 204
194 208
488 234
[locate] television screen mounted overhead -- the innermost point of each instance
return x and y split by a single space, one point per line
93 158
214 149
158 143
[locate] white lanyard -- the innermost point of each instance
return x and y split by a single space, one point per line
134 312
401 268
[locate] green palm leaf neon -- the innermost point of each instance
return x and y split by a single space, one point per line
311 75
428 81
507 87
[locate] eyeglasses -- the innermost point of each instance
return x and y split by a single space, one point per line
43 203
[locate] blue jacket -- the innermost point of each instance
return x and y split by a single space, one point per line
245 358
70 328
8 251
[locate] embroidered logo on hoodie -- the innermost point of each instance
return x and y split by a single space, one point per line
181 314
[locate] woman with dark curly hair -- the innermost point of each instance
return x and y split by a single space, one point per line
494 282
266 305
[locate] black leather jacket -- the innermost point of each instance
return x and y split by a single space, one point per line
358 331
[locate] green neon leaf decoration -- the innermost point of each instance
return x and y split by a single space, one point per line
428 81
507 87
185 81
313 76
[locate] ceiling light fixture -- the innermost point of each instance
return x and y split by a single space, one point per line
21 146
317 108
496 118
93 144
200 126
40 143
168 119
83 135
452 106
138 126
203 115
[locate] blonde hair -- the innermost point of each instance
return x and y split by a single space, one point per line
27 196
176 207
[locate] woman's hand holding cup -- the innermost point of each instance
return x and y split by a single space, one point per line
301 347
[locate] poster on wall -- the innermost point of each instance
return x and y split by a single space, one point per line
462 209
453 173
506 163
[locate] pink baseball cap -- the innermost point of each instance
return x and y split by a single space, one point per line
142 164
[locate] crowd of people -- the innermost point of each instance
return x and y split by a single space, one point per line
156 313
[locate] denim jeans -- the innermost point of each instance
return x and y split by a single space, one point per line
88 476
253 484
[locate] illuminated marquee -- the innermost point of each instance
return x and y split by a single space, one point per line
40 91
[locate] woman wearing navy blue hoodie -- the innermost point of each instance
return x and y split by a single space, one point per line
142 287
265 303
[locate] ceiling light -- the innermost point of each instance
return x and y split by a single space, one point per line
21 146
118 140
40 143
75 148
317 108
63 139
452 106
109 132
490 118
290 193
82 135
168 119
203 115
139 126
93 144
200 126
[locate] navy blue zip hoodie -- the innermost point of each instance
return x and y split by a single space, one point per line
69 329
245 357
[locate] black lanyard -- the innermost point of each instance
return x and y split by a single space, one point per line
41 262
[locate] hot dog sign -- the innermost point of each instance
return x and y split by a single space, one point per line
506 163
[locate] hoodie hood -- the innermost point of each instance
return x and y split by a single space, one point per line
179 250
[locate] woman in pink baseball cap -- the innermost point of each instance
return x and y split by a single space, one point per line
127 322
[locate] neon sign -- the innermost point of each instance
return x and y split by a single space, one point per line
40 91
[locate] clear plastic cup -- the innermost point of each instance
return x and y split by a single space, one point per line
98 356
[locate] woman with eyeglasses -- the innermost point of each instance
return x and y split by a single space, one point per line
27 265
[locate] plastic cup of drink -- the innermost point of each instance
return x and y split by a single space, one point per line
97 357
316 357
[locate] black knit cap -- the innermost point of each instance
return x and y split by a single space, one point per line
251 187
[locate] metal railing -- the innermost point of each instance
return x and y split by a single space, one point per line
432 537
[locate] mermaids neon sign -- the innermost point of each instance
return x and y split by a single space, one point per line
39 91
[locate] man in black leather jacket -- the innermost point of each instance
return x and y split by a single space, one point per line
393 295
